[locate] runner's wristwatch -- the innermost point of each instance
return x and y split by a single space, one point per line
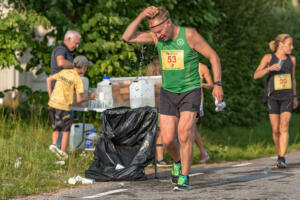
219 83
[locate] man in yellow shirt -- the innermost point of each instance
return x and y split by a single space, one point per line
68 81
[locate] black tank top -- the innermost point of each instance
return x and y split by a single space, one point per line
279 84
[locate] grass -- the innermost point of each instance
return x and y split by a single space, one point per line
38 172
236 143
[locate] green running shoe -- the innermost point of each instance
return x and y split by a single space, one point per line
182 184
176 171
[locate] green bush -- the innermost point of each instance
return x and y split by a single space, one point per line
241 40
239 31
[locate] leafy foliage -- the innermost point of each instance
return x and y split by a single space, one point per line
288 20
17 34
239 31
102 24
241 40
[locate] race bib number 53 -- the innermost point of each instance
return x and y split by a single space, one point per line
282 81
172 59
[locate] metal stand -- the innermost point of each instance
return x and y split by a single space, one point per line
155 161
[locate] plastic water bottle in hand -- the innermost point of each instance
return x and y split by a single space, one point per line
219 106
280 62
17 162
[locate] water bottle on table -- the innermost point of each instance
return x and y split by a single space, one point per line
104 90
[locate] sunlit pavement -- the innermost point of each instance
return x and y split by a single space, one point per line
254 179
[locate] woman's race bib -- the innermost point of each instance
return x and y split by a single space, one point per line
282 82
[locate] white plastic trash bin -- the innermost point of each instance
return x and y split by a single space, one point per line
77 137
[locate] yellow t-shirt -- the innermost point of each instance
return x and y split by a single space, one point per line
68 81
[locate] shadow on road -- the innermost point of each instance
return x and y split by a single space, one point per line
245 175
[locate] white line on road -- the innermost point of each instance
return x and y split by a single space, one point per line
196 174
104 194
241 165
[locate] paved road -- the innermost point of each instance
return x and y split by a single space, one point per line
255 179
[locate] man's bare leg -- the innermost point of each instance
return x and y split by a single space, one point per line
186 140
168 128
198 140
203 154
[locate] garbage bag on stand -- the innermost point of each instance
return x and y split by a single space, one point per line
126 145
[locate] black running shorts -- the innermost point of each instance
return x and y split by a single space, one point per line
60 120
174 103
280 106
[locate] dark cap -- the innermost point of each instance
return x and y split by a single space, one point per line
81 61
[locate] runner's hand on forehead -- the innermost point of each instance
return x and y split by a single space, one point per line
150 12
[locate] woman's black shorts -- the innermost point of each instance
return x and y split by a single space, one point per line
280 106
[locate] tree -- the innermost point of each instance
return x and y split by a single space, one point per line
102 24
17 33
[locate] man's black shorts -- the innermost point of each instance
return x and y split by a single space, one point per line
60 120
174 103
280 106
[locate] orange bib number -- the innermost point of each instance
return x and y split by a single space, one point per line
172 59
282 82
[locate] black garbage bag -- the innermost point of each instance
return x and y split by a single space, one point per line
126 145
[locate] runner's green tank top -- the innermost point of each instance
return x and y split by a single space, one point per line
179 64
